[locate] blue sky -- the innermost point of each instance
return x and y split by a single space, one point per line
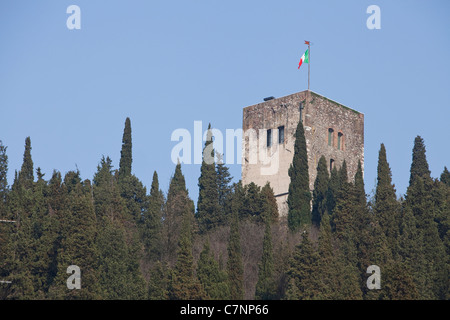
166 64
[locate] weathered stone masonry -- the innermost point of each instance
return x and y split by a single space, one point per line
331 129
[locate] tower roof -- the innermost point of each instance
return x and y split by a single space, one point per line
293 94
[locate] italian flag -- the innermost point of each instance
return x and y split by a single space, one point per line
304 58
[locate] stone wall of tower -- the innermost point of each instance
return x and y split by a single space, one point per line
261 164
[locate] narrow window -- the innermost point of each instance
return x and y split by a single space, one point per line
330 136
340 140
331 164
269 137
281 134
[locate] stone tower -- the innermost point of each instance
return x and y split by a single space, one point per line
331 129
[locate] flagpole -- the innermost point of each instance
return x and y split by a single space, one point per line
309 59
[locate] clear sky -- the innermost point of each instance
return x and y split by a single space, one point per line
166 64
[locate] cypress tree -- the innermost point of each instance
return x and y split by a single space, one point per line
348 279
362 224
320 191
343 221
152 233
253 202
303 275
208 210
126 153
266 287
344 217
213 280
26 174
119 278
235 267
224 188
440 194
78 247
4 232
332 191
420 201
134 194
445 177
237 200
399 283
327 282
387 208
44 235
419 164
343 175
359 187
422 198
20 263
3 178
299 196
183 284
178 205
4 229
270 206
132 189
411 251
157 285
107 200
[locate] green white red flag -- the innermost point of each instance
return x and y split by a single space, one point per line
304 58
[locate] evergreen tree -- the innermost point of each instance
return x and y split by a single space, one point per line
178 205
183 284
270 206
303 275
332 191
344 216
299 196
120 277
237 200
253 205
266 287
422 198
26 174
445 177
343 175
44 235
411 253
20 262
78 247
5 230
157 285
235 268
327 282
419 165
344 222
208 210
224 188
399 283
126 153
213 280
380 255
359 187
152 232
3 178
131 188
387 208
107 200
320 191
362 224
56 194
420 201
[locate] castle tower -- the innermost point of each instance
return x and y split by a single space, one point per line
331 129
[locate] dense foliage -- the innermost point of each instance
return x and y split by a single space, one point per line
134 244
